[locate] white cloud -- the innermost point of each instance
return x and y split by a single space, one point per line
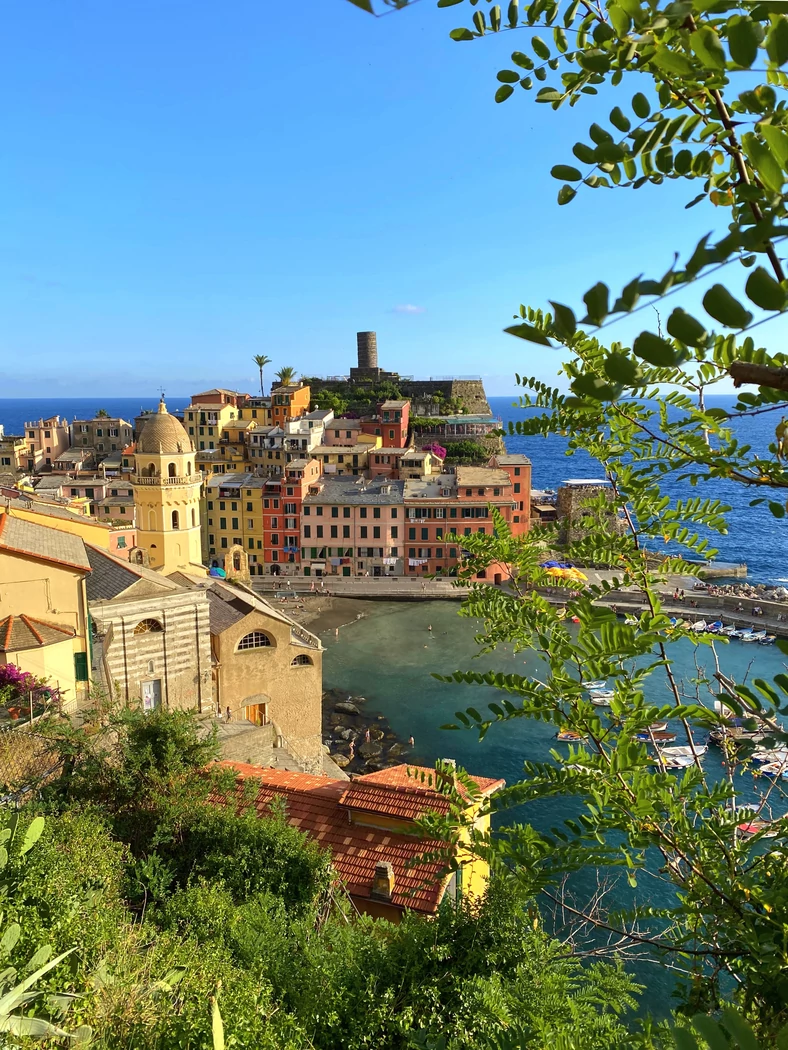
408 308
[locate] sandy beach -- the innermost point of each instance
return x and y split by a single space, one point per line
320 612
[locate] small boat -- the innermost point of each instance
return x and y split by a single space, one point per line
679 762
754 827
770 639
602 700
699 625
569 736
631 621
715 628
754 636
596 685
685 749
729 631
742 633
658 736
773 769
658 727
767 756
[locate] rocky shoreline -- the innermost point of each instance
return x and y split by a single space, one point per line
357 739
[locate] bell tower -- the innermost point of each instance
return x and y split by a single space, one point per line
166 488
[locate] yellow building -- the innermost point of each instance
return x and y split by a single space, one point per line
43 604
73 519
346 459
166 487
234 515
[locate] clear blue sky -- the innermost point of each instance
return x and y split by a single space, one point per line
187 183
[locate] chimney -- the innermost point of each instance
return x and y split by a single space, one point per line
367 344
383 881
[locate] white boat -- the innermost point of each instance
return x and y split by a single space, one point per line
677 762
774 769
602 699
684 750
742 633
770 639
715 628
729 631
596 685
631 621
766 755
754 636
699 625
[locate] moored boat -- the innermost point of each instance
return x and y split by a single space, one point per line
685 749
657 736
569 736
677 762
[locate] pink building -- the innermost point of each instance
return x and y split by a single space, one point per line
385 462
47 439
353 526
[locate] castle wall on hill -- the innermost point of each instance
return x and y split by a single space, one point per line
470 390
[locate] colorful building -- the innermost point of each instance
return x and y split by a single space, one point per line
103 434
46 440
369 826
234 518
283 500
353 526
289 402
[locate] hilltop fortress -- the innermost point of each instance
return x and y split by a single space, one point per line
428 397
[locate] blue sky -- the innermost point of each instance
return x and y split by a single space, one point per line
186 184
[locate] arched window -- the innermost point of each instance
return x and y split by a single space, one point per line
148 627
255 640
194 518
151 470
171 470
301 661
175 520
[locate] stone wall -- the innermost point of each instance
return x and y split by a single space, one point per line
471 391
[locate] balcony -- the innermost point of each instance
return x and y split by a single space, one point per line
159 479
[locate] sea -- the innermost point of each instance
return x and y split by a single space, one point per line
755 536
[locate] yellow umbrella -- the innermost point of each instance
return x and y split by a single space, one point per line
575 574
557 572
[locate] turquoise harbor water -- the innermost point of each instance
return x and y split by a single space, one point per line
388 656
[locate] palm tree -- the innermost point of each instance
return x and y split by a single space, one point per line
261 361
286 375
102 414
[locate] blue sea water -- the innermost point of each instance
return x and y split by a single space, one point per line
755 536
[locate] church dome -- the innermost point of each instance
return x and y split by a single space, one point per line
163 434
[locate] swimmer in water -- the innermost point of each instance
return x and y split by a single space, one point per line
429 628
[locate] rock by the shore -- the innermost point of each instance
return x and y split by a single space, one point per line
341 760
340 720
346 707
376 733
398 749
344 732
371 750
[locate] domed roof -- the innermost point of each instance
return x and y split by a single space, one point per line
163 434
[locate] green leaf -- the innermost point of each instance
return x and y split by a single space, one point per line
621 369
777 41
619 19
541 50
217 1027
32 835
564 321
566 173
527 331
449 3
777 141
672 62
10 937
707 46
548 95
566 194
596 300
640 106
508 76
504 91
723 307
609 153
686 328
521 60
743 40
763 160
764 291
461 34
479 22
595 61
584 153
619 120
656 351
365 5
777 509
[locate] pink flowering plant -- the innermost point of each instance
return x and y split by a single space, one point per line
16 686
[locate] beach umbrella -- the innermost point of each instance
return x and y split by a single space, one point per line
576 574
557 572
549 565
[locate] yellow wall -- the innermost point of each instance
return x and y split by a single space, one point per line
46 591
294 693
54 662
156 498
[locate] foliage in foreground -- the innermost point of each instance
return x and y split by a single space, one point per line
167 902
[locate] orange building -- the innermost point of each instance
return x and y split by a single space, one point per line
289 402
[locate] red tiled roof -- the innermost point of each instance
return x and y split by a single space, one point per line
422 777
314 806
393 801
27 632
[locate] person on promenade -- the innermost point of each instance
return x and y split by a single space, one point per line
423 586
228 716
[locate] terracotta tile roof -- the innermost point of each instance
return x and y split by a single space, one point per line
42 541
314 806
388 800
422 777
26 632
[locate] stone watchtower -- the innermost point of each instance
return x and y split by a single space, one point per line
167 494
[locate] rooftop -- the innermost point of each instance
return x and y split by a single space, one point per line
236 481
393 405
111 577
510 458
320 807
482 476
26 632
163 434
75 454
39 541
578 482
342 450
431 487
358 490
